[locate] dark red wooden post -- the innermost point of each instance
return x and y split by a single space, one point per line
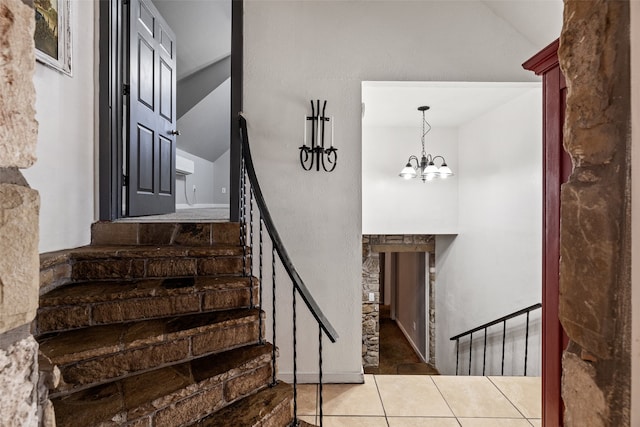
556 170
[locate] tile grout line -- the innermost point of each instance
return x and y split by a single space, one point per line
508 400
445 401
384 411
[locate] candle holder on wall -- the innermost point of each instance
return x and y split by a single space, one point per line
316 154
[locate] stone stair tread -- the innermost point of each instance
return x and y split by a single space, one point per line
155 251
99 291
78 344
100 353
174 395
269 407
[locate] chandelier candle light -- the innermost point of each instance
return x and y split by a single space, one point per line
426 166
317 154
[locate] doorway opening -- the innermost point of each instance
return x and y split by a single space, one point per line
167 152
399 304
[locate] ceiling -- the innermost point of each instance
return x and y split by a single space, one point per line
539 21
202 28
452 103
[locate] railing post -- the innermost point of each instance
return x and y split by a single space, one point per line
295 359
470 348
526 345
320 372
260 285
504 335
273 313
484 353
457 353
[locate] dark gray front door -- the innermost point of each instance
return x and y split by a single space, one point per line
152 112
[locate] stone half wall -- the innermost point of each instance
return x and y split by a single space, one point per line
372 245
19 206
595 283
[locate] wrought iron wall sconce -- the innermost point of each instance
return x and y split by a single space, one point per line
316 154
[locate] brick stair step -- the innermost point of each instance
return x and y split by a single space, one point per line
140 261
172 396
85 304
97 354
270 407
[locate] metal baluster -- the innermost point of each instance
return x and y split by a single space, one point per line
251 244
320 370
295 359
251 227
470 347
243 222
526 345
457 353
273 312
504 335
260 286
484 354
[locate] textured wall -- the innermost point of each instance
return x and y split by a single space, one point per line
595 286
18 218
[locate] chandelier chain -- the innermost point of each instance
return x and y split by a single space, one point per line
424 133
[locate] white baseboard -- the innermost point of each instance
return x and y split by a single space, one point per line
327 378
201 205
415 347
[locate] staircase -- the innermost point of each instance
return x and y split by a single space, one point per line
154 324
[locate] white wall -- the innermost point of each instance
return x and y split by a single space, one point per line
411 308
65 171
202 178
297 51
494 266
392 205
635 213
221 170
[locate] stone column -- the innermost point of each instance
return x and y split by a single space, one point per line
595 284
19 261
370 309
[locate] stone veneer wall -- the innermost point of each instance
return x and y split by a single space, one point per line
372 245
595 268
19 206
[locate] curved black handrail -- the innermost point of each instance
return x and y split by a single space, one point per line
277 241
500 320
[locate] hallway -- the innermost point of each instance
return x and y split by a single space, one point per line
427 401
397 356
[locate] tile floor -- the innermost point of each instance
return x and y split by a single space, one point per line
426 401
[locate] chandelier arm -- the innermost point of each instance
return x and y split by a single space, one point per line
414 158
439 157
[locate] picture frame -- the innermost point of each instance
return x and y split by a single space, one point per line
52 34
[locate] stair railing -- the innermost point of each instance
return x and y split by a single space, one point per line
525 311
250 195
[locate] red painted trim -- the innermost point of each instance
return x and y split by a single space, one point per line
556 169
544 60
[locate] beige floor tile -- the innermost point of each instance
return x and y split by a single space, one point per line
307 399
536 422
411 395
422 422
331 421
475 397
524 392
353 399
493 422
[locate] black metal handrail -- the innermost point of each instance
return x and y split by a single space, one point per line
254 192
486 326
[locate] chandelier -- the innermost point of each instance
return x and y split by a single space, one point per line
426 167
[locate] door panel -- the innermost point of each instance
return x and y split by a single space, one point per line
151 144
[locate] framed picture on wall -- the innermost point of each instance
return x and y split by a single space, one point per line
53 34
